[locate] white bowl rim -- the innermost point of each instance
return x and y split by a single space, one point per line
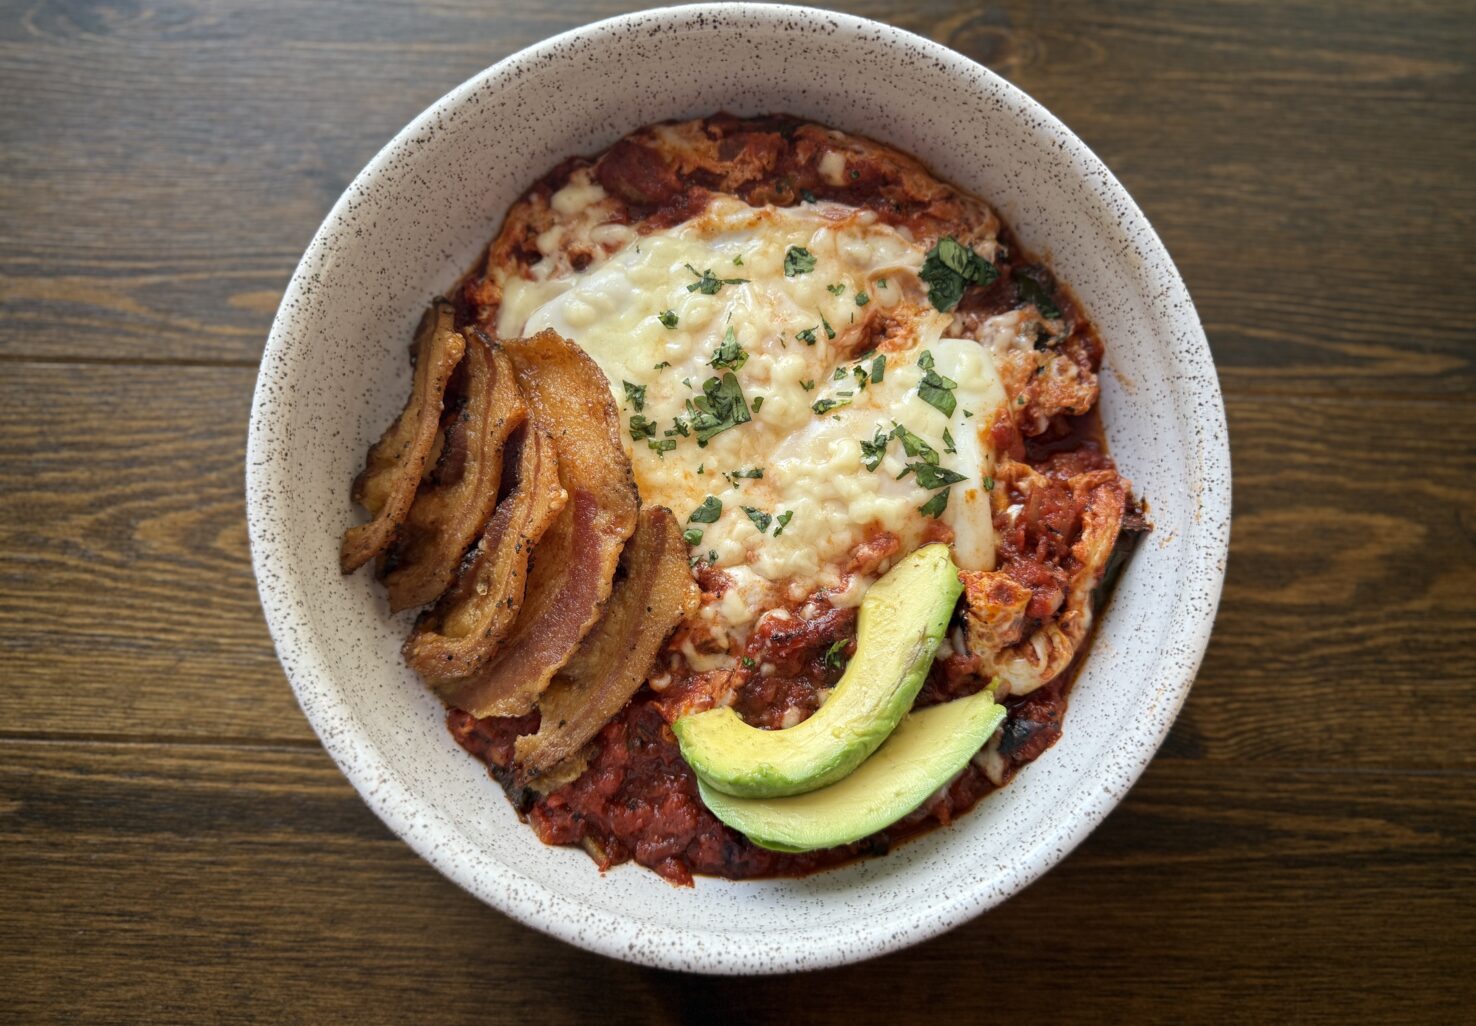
620 937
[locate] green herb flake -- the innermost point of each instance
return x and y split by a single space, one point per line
758 403
708 512
824 406
807 196
662 445
720 407
782 521
836 289
829 331
692 536
873 451
935 506
862 299
1033 287
835 654
913 445
807 385
635 395
935 389
738 260
881 283
948 445
968 413
878 369
760 519
989 484
931 476
748 662
839 375
730 354
798 260
710 284
807 336
668 318
949 268
641 428
662 365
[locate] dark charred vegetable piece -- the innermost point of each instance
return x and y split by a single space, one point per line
574 563
392 471
655 594
464 630
452 507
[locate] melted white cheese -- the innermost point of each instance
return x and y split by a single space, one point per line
812 463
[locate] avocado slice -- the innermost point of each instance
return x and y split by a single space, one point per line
902 619
922 755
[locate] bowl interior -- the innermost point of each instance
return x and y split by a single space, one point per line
335 373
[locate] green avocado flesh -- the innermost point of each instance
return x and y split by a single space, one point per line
922 755
902 619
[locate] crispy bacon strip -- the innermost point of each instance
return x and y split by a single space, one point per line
574 564
392 471
656 593
452 507
463 631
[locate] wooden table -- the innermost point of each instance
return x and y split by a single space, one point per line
175 846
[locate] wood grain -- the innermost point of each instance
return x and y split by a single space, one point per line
1287 155
274 895
175 848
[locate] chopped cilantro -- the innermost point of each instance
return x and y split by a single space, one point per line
712 556
760 519
807 385
748 662
738 260
989 484
641 428
829 331
968 413
667 318
708 512
662 365
878 369
710 284
912 445
862 299
935 389
729 354
948 445
635 395
758 403
720 407
823 406
798 260
1033 286
692 536
834 655
949 268
873 451
839 375
935 506
931 476
881 283
752 473
679 426
782 521
807 336
836 289
662 445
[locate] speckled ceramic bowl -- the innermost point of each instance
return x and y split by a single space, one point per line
334 373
